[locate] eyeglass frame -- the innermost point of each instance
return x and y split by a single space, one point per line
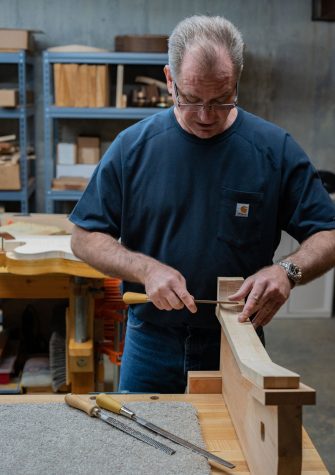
199 106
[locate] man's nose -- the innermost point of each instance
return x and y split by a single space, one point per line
206 111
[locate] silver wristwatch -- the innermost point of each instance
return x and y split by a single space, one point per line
293 271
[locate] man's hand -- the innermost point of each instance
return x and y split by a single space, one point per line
166 288
267 290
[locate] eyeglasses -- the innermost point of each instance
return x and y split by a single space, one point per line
220 106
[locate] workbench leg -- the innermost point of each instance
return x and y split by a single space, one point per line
80 335
82 383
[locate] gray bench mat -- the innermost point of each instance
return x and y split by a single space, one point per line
55 439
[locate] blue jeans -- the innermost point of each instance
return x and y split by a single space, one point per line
157 359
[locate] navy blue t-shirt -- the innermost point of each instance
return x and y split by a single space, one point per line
207 207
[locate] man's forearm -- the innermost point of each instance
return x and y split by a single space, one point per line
316 255
269 288
107 255
165 286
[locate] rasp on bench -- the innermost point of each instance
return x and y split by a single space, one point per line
94 411
107 402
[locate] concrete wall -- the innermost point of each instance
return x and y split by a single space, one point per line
289 75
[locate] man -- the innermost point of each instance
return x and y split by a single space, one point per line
198 191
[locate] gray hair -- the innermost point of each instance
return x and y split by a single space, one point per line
207 34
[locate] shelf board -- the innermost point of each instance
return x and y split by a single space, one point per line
15 57
101 112
15 113
107 58
19 195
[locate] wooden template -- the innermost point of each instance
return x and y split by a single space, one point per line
36 255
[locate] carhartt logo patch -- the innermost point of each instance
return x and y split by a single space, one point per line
242 209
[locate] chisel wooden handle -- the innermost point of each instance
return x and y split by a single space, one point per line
74 400
107 402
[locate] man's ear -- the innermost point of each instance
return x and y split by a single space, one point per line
168 77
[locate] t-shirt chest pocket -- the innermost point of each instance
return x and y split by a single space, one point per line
240 217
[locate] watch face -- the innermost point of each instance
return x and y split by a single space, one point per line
293 271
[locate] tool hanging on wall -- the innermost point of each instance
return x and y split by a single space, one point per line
107 402
94 411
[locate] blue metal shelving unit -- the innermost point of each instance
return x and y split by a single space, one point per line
21 113
53 113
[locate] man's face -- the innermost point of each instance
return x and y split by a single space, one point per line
197 86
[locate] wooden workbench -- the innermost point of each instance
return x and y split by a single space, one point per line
264 400
45 274
215 422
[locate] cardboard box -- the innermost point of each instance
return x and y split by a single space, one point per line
9 97
69 183
10 175
142 43
14 40
79 170
66 153
88 150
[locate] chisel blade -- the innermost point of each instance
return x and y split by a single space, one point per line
214 302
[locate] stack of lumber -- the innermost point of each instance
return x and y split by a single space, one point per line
81 85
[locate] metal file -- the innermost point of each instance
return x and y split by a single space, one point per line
107 402
94 411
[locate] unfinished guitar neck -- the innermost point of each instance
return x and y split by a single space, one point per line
264 400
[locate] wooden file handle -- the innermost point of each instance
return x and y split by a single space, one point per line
107 402
77 402
134 297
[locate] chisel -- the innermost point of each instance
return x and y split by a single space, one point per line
94 411
107 402
136 297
